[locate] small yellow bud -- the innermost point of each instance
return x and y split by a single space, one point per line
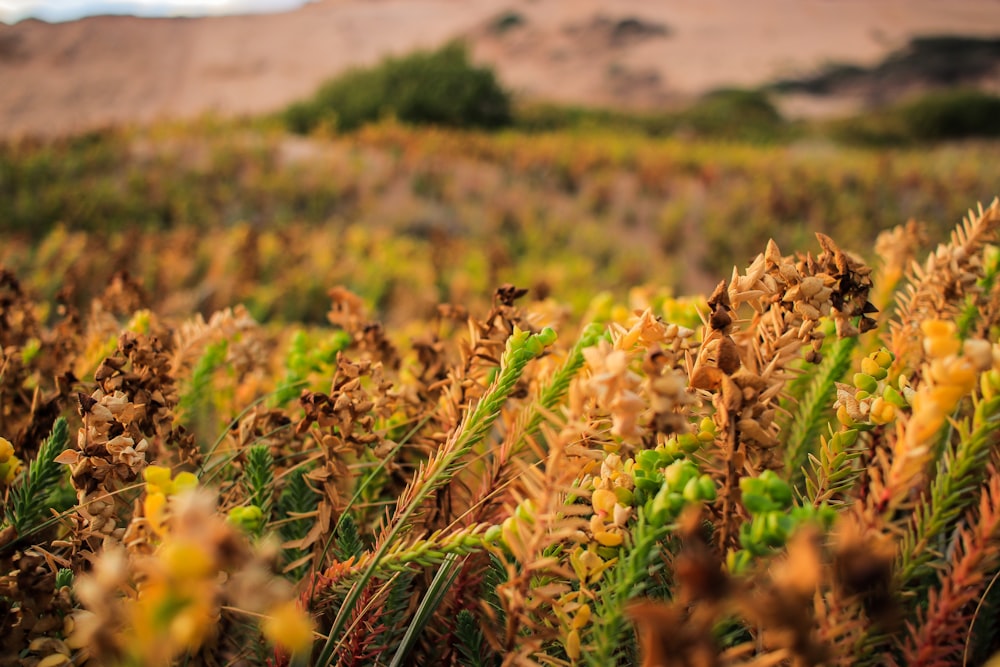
603 500
843 417
591 561
882 358
582 617
186 560
572 645
6 450
289 626
882 411
185 481
938 328
154 506
871 367
940 347
510 533
609 539
9 470
188 627
158 478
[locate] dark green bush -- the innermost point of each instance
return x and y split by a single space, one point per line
734 114
436 88
953 114
938 116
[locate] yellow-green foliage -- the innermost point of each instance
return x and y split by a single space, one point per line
214 215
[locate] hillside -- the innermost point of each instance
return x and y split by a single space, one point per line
60 78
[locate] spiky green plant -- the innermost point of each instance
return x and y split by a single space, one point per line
813 409
29 496
259 478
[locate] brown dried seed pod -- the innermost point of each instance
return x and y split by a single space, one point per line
728 356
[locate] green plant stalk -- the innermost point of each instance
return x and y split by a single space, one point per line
440 585
56 518
970 313
530 421
260 478
553 393
954 489
813 410
627 579
296 369
192 402
470 639
432 550
833 472
28 497
521 348
297 498
796 386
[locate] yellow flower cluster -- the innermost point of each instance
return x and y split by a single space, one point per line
872 398
160 485
193 564
611 500
574 607
184 577
10 465
176 604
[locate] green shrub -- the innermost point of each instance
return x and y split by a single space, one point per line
953 114
938 116
734 114
438 88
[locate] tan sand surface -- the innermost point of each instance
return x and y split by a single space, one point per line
641 53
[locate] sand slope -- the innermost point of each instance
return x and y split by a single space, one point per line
66 77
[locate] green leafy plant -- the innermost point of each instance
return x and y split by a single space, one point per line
29 496
438 87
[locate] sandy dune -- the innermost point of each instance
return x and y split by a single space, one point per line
65 77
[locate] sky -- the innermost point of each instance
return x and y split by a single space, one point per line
12 11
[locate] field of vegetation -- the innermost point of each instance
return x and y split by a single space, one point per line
413 395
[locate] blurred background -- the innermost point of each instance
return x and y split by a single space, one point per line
421 151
